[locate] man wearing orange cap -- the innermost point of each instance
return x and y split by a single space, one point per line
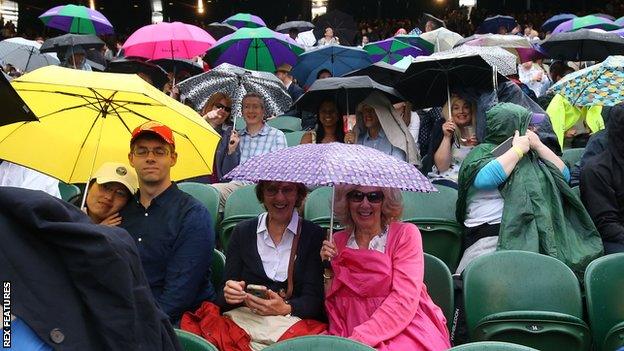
172 230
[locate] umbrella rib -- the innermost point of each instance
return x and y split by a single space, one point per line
88 105
83 143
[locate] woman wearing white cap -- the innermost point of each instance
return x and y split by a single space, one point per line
110 189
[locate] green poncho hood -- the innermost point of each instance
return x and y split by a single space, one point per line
541 213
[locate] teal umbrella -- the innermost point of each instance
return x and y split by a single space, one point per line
245 20
600 84
392 50
258 49
585 22
76 19
417 41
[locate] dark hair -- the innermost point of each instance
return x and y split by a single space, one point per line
150 136
302 191
320 131
318 75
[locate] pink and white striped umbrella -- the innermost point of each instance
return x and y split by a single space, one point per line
165 40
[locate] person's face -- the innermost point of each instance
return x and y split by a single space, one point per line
77 59
370 117
328 114
152 159
461 113
253 112
365 210
280 199
329 32
527 65
281 75
428 26
222 106
502 30
106 199
364 40
527 31
325 74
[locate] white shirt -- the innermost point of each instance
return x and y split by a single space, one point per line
377 243
486 206
275 258
22 177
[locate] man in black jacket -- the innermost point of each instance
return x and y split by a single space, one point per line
77 285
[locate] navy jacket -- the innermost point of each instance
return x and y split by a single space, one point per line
243 263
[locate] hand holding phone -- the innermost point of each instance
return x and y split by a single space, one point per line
260 291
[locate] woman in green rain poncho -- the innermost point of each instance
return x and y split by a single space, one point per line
520 200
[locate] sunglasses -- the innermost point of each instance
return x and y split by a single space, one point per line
373 197
223 107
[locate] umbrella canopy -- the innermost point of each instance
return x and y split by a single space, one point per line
380 72
179 65
77 19
521 47
245 20
168 40
343 25
85 119
500 59
442 39
556 20
404 63
333 164
64 42
428 80
620 21
426 17
600 84
236 82
417 41
392 50
604 15
259 49
14 109
24 54
337 59
585 22
218 30
133 66
300 26
494 23
347 92
583 45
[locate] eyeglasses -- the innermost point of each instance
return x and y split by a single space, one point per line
223 107
273 190
144 152
373 197
108 188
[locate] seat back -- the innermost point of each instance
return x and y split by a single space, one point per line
242 202
572 156
318 204
439 284
294 138
207 195
319 343
68 191
506 281
217 268
286 124
491 346
192 342
604 286
439 205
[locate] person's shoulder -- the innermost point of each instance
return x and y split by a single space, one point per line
312 229
404 228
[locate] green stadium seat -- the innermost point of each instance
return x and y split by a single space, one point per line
286 124
434 214
319 343
207 195
524 298
218 268
491 346
604 286
439 284
572 156
192 342
294 138
68 191
242 204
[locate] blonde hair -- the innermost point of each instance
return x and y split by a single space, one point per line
213 100
391 208
454 99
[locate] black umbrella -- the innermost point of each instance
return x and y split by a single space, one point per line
218 30
343 25
428 81
179 65
66 41
348 92
381 72
14 109
583 45
300 26
125 65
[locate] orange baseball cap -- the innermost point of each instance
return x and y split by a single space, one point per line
154 127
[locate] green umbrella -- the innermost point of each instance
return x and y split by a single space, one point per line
259 49
417 41
392 50
77 19
245 20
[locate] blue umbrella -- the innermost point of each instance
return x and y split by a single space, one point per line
492 24
556 20
337 59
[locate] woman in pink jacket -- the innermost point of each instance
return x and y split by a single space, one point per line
375 292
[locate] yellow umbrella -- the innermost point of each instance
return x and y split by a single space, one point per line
85 119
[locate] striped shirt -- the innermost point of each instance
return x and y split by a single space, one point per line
268 139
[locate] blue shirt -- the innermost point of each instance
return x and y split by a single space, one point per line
381 143
267 140
175 239
24 339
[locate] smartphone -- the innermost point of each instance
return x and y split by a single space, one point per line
260 291
503 147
